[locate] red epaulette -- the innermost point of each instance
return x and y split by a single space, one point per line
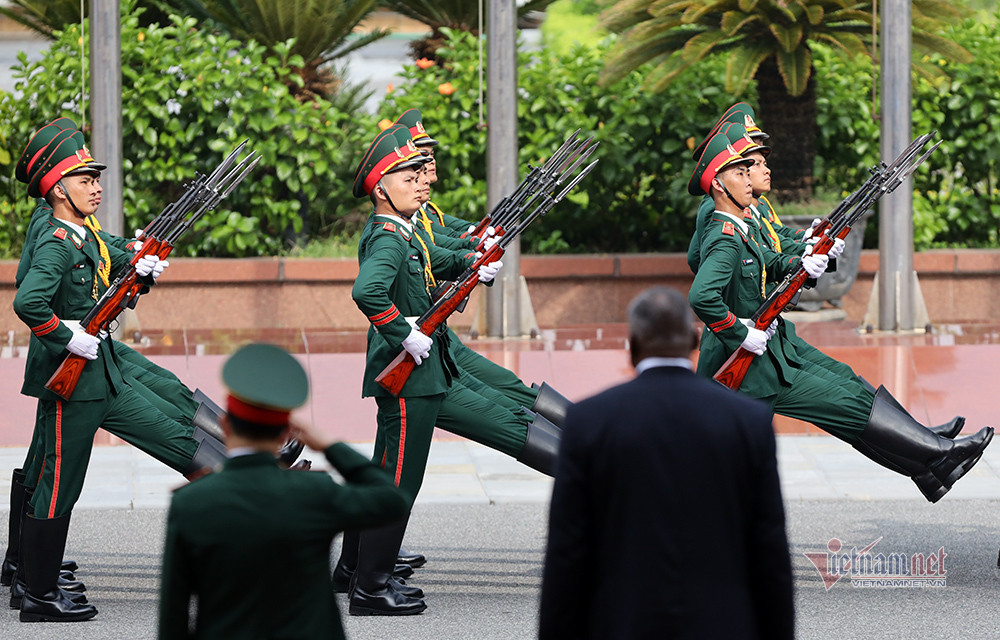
389 226
747 215
727 229
60 233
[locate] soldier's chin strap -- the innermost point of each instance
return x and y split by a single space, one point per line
70 200
741 207
389 200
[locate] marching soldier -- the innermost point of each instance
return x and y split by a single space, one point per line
730 284
252 507
396 270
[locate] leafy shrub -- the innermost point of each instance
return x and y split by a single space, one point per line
188 97
955 192
636 198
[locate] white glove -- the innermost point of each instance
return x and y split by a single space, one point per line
417 345
151 264
83 344
809 232
837 249
771 328
814 265
489 271
471 228
755 342
137 245
490 241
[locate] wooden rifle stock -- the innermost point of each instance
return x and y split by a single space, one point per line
836 225
200 196
397 372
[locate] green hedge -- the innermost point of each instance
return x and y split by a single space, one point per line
635 200
188 97
955 194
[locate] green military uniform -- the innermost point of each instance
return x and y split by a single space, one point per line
793 377
730 285
254 509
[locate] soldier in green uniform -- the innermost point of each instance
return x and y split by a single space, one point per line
69 266
396 269
730 285
544 399
252 507
778 235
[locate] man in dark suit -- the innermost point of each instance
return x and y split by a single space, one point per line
251 543
666 518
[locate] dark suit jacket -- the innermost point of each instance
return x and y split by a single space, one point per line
252 544
666 517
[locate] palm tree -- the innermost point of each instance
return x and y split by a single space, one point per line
322 30
767 41
461 15
45 16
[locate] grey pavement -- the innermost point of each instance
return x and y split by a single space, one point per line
481 520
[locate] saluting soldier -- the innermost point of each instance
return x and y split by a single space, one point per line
729 286
252 509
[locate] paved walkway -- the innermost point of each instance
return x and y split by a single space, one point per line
460 472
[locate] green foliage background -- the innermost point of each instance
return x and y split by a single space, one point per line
190 96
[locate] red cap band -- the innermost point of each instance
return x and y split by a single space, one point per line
255 414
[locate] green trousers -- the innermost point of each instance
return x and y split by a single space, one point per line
492 375
836 403
66 432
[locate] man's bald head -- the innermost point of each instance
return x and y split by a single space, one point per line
661 325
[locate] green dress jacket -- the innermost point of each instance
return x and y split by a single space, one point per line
728 287
393 285
61 283
252 544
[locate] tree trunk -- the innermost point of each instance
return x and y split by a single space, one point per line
791 123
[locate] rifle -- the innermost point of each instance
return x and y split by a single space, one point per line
536 198
884 179
158 237
503 209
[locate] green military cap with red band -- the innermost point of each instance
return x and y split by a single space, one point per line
741 140
719 154
385 154
411 119
56 150
741 113
265 383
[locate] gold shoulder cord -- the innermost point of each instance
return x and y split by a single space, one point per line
425 221
437 210
104 269
428 275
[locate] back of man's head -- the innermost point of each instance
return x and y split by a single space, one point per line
661 325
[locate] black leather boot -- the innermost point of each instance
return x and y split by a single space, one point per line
290 452
18 497
44 541
209 455
948 429
18 588
933 462
343 573
373 593
541 446
413 560
551 404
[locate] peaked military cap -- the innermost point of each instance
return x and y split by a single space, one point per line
265 383
742 141
742 113
411 119
385 154
56 150
719 153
